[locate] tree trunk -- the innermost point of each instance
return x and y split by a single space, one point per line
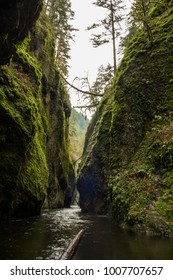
68 254
113 38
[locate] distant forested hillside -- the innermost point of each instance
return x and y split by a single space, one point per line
78 126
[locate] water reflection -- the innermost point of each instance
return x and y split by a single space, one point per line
105 241
43 237
47 236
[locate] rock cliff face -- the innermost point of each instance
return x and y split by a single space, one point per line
34 112
58 109
127 162
16 19
95 161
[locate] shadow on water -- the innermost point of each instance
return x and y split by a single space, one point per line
47 236
105 241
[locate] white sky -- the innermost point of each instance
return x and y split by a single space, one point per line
85 60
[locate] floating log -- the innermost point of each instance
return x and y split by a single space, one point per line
68 254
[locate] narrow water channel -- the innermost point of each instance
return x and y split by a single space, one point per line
47 236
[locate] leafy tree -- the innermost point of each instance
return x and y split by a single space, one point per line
60 13
111 25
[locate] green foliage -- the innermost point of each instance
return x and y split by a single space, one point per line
110 23
28 63
141 193
42 45
23 145
34 113
141 145
103 80
140 15
78 125
60 13
130 153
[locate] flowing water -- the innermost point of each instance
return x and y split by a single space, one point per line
47 236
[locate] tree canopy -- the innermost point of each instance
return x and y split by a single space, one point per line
60 14
140 15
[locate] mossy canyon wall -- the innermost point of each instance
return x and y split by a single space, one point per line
35 168
127 165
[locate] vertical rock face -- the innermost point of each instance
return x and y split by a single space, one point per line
61 174
34 112
58 109
24 171
16 19
95 162
127 161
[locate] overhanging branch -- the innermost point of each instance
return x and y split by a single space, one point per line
85 106
80 90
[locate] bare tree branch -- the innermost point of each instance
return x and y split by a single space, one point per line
85 106
80 90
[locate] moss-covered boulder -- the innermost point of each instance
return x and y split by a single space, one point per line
137 185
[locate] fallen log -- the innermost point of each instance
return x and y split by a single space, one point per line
68 254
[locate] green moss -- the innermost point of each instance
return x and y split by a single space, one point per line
34 116
142 193
128 156
42 46
28 63
20 103
2 94
23 140
95 161
35 167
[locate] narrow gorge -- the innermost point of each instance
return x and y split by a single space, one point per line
126 170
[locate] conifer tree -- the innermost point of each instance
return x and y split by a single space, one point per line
111 25
60 13
140 15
